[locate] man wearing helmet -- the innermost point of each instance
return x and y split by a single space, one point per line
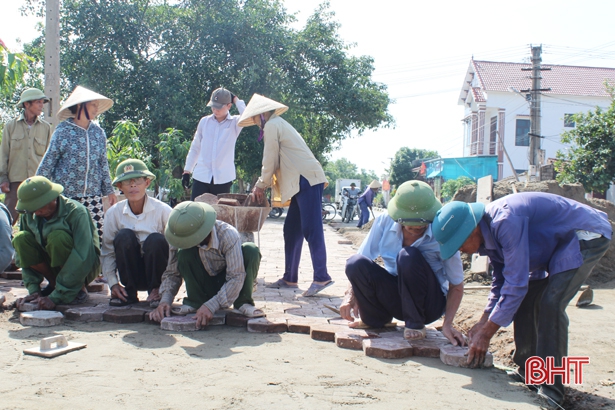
415 285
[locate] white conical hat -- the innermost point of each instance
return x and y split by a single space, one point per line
81 95
375 184
258 105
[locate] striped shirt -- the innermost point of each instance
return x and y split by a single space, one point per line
222 255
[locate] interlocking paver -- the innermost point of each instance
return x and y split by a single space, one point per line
457 356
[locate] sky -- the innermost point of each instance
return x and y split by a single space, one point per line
422 50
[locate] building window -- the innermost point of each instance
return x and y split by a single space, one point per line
493 135
569 121
522 138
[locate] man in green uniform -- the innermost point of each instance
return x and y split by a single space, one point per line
57 241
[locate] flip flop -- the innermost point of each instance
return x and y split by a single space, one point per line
315 288
280 284
362 325
183 310
250 311
414 334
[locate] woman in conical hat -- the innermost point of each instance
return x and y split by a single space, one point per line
296 176
77 153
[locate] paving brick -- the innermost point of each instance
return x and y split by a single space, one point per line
43 318
236 320
86 314
218 319
353 338
267 325
96 287
303 325
11 275
326 333
28 307
179 323
387 348
124 316
338 321
344 242
456 356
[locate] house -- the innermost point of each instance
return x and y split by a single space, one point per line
495 104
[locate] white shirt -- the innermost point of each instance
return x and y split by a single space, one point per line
153 219
212 152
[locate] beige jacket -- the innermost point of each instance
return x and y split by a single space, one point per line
287 157
22 148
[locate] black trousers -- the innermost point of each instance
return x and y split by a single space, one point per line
200 188
414 295
140 270
541 322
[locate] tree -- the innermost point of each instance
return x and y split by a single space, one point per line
450 187
591 158
342 168
159 61
13 68
402 163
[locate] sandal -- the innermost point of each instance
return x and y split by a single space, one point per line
315 288
414 334
183 310
250 311
281 284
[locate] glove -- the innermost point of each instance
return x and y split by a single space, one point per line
186 181
233 98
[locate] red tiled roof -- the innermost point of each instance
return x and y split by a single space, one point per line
478 94
561 79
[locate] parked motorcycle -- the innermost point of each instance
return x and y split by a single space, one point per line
349 209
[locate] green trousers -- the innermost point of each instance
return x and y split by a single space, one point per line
200 286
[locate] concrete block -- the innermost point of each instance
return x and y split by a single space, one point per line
303 324
387 348
42 318
326 333
28 307
236 320
457 356
96 287
179 323
353 338
124 316
218 319
267 325
86 314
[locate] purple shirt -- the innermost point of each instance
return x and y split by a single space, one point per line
367 197
529 234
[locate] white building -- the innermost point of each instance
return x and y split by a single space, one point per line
494 104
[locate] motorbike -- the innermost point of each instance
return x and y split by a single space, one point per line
349 208
276 212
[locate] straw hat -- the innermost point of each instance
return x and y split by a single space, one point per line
375 184
258 105
81 95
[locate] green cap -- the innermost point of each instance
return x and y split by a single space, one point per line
414 204
31 94
131 168
189 223
36 192
454 223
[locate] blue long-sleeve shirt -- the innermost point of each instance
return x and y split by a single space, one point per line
77 159
367 196
527 235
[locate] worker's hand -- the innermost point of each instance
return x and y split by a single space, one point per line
477 327
118 292
44 303
259 194
478 348
349 309
112 199
163 310
186 180
203 316
30 298
233 98
454 336
5 187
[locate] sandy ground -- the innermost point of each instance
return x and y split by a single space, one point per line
142 367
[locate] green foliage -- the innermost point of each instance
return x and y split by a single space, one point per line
591 158
159 61
342 168
401 165
168 164
123 144
450 187
13 67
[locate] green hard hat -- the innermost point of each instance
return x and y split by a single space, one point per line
189 223
131 168
454 223
36 192
31 94
414 204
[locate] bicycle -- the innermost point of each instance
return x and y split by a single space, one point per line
328 212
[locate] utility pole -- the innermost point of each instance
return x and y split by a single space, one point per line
52 60
535 113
